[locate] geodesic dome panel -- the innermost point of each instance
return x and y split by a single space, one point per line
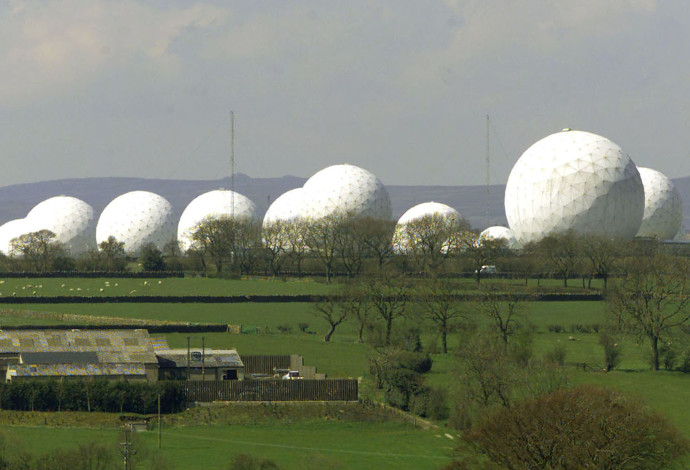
663 209
136 219
574 180
498 232
346 189
401 238
9 231
214 205
287 207
72 220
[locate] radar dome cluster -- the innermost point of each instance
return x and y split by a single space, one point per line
663 211
136 219
335 190
574 180
213 205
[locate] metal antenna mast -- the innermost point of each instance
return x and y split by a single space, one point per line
232 162
488 171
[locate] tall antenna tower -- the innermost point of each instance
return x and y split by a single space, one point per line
232 163
488 170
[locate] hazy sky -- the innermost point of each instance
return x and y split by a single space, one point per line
402 88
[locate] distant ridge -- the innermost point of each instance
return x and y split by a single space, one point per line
470 201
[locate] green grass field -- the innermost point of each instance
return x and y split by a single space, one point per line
357 445
302 445
168 286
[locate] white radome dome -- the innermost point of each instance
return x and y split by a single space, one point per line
137 218
574 180
346 189
663 209
214 205
72 220
498 232
9 231
288 207
401 239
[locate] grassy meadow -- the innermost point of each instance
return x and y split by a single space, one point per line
569 325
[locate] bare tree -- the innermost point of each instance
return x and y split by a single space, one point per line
438 304
651 301
388 297
214 237
481 252
602 254
321 238
503 312
563 251
275 243
430 240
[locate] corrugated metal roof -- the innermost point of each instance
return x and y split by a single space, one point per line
74 370
211 357
72 357
111 346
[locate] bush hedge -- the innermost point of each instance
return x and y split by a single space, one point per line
92 395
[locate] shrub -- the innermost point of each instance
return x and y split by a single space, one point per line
612 351
303 327
668 356
556 328
556 355
583 427
284 328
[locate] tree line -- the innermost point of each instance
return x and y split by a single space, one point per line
340 245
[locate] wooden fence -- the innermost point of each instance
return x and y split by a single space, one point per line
265 364
272 390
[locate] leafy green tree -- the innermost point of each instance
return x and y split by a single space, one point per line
38 249
111 255
151 258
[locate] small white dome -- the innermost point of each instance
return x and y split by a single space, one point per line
498 232
137 218
9 231
72 220
663 208
401 238
214 205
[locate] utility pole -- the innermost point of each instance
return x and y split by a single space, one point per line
159 420
232 162
189 357
488 172
127 450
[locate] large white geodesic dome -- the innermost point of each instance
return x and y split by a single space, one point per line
498 232
663 209
288 207
574 180
136 219
346 189
216 204
9 231
72 220
402 241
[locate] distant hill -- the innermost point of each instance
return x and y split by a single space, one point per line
470 201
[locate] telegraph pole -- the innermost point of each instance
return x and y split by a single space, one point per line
232 162
488 172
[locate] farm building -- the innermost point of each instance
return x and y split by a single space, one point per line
111 354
